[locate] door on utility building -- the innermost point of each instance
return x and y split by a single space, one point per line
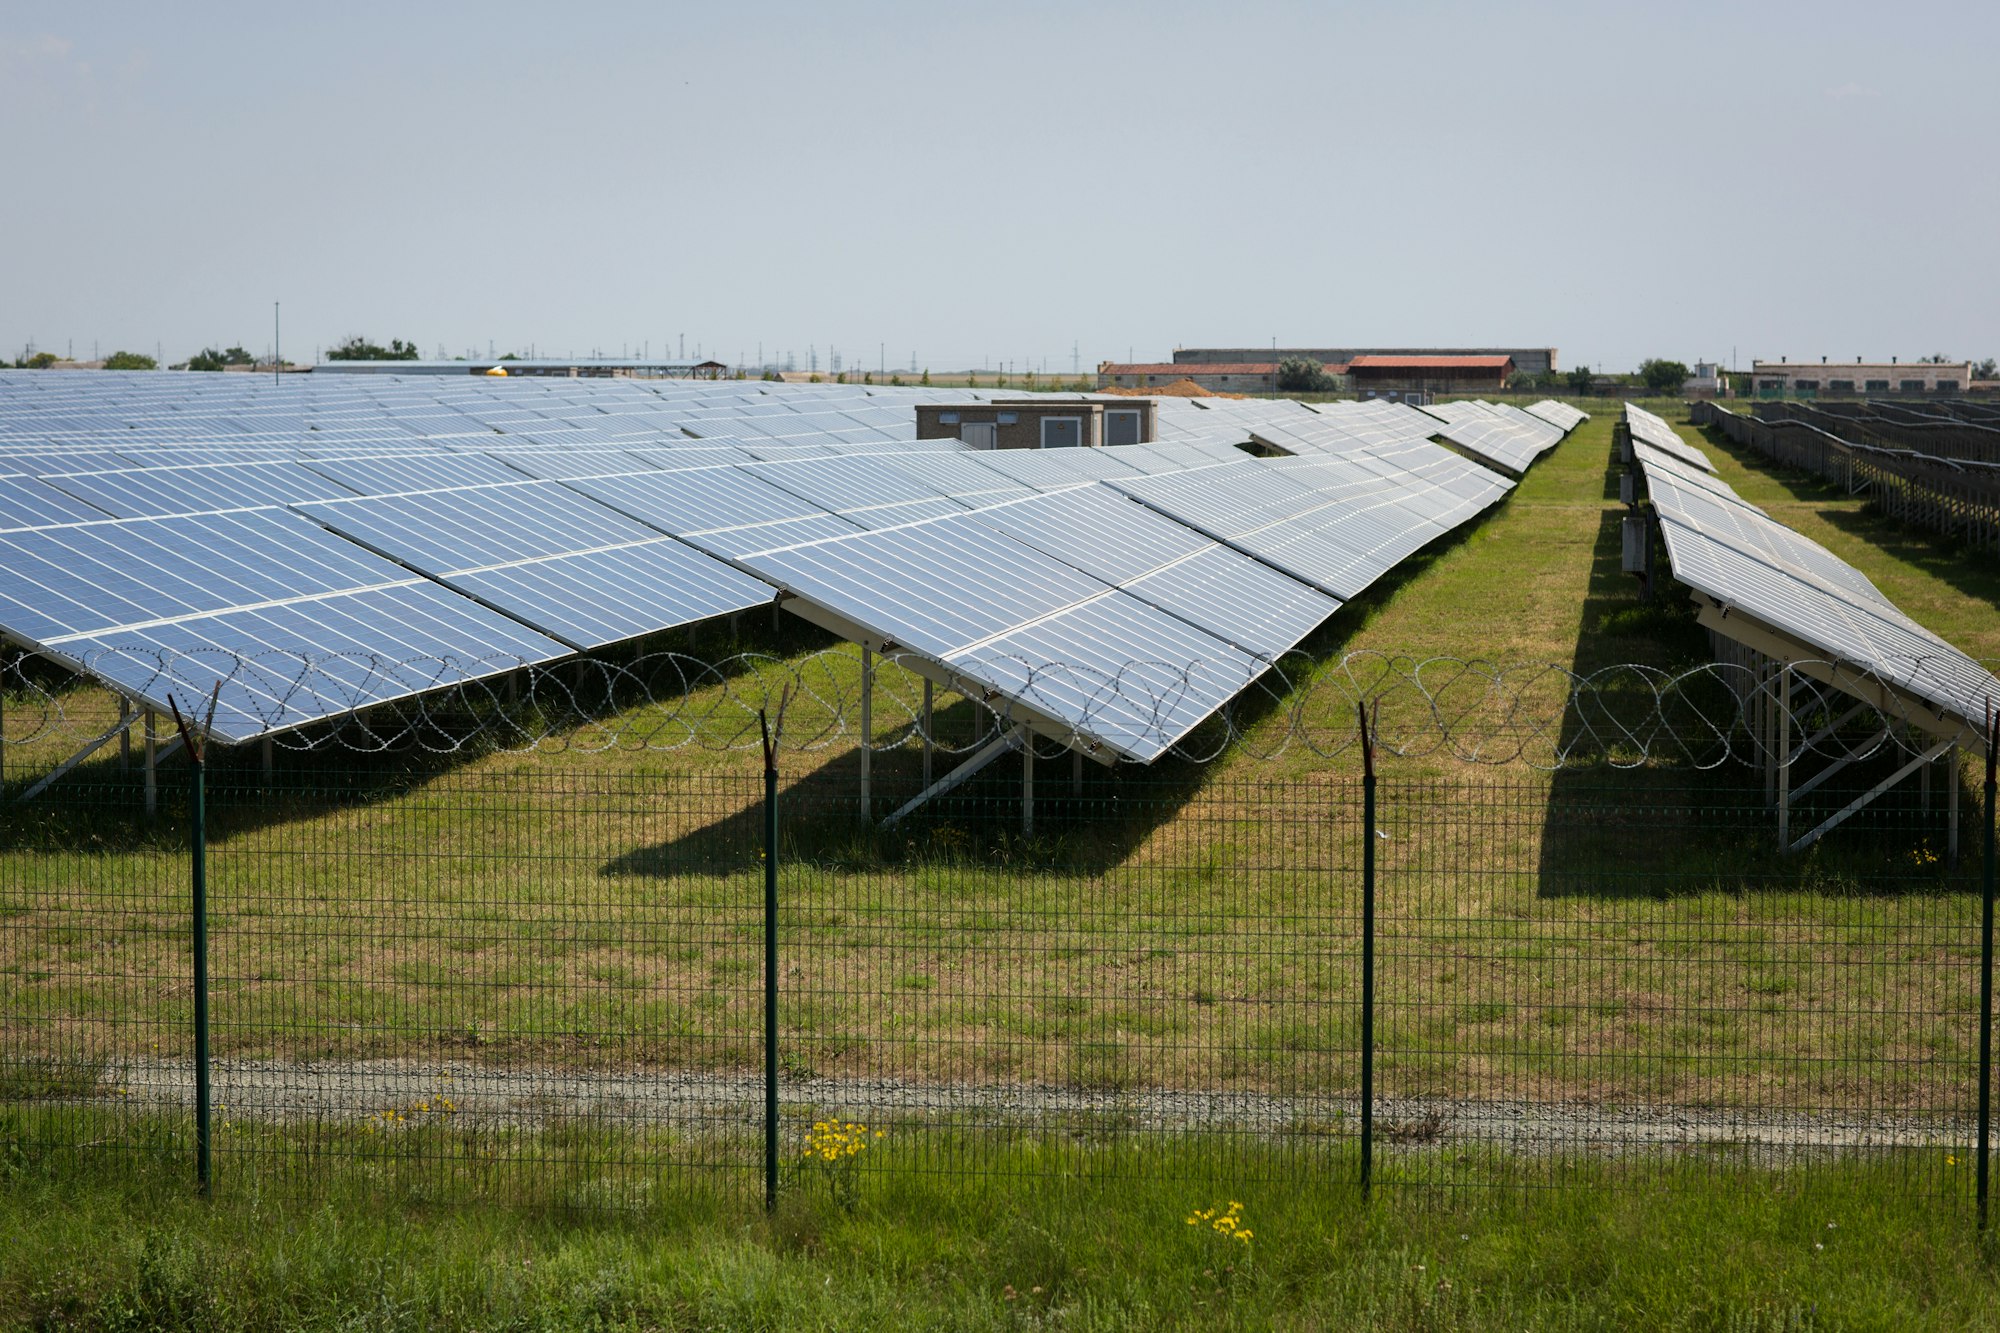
1121 427
979 434
1062 432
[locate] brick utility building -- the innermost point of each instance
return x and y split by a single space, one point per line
1428 374
1039 423
1859 379
1215 376
1527 360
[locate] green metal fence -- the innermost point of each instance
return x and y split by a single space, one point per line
594 980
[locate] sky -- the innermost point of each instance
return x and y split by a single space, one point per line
1047 185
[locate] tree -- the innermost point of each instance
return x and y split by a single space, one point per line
206 359
1302 374
357 348
926 380
1985 370
236 356
1580 380
39 361
1936 359
130 361
1662 377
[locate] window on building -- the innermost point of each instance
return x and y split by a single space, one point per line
1010 418
1805 386
1947 386
948 418
1840 386
1776 385
1913 386
1878 386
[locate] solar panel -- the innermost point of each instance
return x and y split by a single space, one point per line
1655 431
1005 616
26 502
1169 566
207 489
1749 563
1492 438
396 473
727 510
1328 523
154 604
1563 415
570 567
283 666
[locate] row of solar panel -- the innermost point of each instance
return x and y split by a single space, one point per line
1499 434
580 571
1746 561
623 548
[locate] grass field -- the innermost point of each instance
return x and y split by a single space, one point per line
1092 1244
1618 936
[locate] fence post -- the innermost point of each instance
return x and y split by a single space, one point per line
1983 1154
198 908
770 957
1367 956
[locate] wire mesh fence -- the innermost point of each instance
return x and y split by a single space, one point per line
538 974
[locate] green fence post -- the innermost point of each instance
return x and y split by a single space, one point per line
1367 956
198 874
1982 1155
770 959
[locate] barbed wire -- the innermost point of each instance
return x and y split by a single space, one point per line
1540 715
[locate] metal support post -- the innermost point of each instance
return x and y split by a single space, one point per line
1951 776
124 734
1076 772
1028 785
268 759
867 729
152 760
1367 956
930 740
770 958
1984 1152
196 744
1784 757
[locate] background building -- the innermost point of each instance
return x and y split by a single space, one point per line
1858 379
1038 423
1528 360
1378 376
1215 376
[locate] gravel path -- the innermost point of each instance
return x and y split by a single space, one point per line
708 1103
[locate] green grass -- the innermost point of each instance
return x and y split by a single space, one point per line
1183 926
1092 1238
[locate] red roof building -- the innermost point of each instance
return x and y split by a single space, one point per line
1216 376
1430 374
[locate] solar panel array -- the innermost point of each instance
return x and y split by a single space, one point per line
1565 415
1748 562
1654 430
424 532
1504 437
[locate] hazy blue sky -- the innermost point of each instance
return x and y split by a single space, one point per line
968 182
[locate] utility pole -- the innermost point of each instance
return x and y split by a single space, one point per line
277 356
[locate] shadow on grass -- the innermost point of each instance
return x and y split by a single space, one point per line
100 805
1086 820
1680 818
